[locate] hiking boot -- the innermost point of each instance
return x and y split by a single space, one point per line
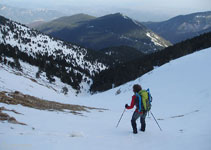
135 131
142 129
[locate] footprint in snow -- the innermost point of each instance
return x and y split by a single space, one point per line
76 134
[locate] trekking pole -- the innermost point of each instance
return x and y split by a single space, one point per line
156 121
120 118
148 114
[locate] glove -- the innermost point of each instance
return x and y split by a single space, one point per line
126 105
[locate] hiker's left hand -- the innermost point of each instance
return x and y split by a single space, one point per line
126 105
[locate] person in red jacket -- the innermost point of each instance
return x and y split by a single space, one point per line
137 114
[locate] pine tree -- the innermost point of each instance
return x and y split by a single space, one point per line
17 64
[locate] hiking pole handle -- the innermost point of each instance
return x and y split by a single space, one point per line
156 121
120 118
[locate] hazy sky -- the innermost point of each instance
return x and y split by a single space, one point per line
143 10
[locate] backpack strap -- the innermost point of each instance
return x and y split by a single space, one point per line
139 101
149 96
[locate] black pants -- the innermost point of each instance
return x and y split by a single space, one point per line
135 116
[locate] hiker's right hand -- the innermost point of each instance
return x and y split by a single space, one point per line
126 105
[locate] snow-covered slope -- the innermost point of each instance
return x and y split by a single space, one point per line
181 93
11 79
78 63
33 42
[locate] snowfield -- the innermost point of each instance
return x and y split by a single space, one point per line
181 91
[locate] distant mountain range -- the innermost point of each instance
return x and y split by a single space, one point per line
182 27
26 16
111 30
107 31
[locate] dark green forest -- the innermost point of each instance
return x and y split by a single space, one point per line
116 76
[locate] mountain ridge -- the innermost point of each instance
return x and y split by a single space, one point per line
65 21
182 27
111 31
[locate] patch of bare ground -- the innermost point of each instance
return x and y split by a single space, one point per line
6 117
16 98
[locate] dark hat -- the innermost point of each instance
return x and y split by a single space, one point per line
136 88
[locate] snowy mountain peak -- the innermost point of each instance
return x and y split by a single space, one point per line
124 16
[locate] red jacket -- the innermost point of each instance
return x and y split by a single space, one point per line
132 104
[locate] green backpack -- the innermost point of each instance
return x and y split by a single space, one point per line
143 100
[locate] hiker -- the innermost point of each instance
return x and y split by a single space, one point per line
142 114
